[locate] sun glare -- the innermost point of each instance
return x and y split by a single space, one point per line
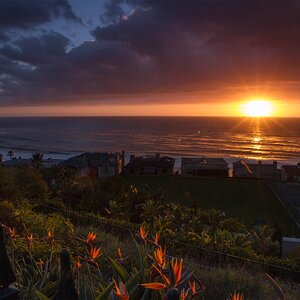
258 108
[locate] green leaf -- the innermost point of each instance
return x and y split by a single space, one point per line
50 289
146 294
142 257
41 296
133 282
85 290
105 293
121 271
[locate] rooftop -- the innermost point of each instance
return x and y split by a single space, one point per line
94 159
203 163
258 169
154 161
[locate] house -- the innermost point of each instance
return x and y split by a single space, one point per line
290 173
150 165
51 162
96 164
204 166
243 169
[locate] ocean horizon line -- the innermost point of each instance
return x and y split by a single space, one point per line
147 116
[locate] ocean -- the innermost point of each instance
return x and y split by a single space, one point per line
230 138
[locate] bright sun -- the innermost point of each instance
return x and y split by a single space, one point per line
258 108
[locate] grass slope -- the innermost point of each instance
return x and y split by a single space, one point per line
244 199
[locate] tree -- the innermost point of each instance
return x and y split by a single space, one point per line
62 183
11 154
8 189
30 184
37 160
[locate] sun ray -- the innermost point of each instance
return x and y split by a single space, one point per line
277 122
258 108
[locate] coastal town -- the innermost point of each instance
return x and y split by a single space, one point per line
103 164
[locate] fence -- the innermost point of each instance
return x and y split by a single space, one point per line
201 255
212 258
106 225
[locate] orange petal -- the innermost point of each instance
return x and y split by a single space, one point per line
166 279
157 286
120 253
179 270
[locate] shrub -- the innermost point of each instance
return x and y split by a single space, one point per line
295 256
7 185
41 224
8 214
30 184
245 252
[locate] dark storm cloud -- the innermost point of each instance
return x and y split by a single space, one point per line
160 46
3 37
46 49
23 14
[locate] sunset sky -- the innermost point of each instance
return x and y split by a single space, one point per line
143 57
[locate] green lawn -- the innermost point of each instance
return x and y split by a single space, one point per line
244 199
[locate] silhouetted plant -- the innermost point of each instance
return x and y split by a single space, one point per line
7 275
66 290
37 160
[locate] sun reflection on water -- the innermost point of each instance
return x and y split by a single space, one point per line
256 139
257 136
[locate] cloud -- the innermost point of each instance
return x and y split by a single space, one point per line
3 37
112 11
159 47
46 49
23 14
